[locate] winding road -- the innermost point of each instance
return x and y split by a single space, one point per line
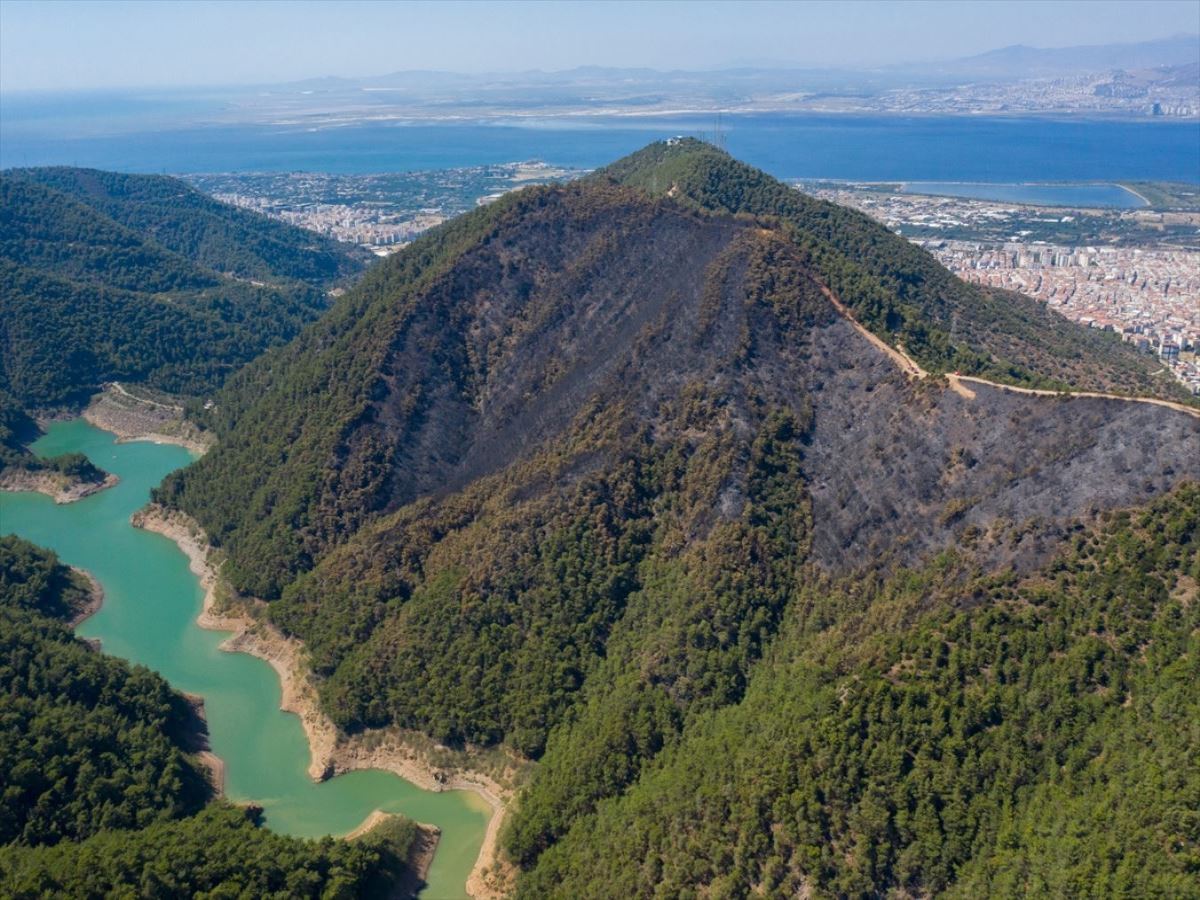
958 383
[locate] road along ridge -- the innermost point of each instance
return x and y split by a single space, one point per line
958 383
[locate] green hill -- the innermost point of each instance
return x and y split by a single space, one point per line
213 235
142 278
914 736
600 473
108 277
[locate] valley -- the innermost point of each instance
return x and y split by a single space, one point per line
150 617
602 488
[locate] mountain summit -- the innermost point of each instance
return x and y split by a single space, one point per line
588 467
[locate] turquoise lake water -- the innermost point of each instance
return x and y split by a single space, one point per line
149 616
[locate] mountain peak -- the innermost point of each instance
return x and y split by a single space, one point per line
562 472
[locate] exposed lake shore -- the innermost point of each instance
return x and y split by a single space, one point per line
131 418
420 856
331 752
59 487
95 598
135 418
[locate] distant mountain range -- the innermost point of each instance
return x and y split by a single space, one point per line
1166 67
1020 61
1015 62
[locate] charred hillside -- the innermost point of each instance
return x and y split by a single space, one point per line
487 341
897 290
580 304
566 472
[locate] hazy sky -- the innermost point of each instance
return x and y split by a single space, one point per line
96 44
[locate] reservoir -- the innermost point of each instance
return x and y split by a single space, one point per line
151 600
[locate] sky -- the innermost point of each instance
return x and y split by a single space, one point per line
97 44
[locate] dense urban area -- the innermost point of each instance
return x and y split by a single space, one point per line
1166 91
1131 271
380 211
1134 271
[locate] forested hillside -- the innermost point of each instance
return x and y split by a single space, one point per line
936 733
578 471
109 277
142 278
211 234
897 289
100 797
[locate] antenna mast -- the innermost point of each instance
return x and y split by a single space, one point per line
719 134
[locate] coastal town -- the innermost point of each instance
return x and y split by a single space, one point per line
1169 92
1135 273
381 212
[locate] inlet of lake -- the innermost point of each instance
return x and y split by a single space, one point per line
151 600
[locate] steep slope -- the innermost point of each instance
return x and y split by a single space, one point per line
560 474
463 356
88 298
897 289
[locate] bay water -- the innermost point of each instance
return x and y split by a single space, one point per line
849 147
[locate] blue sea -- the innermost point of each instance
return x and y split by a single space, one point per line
867 148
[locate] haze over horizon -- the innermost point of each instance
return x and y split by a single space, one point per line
112 45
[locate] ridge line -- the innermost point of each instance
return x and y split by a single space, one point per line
913 369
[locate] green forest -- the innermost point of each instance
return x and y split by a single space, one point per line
101 796
936 732
107 277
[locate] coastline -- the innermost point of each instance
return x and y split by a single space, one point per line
1138 194
58 487
331 753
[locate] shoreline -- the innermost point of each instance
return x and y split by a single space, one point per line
204 756
200 749
331 753
420 857
95 598
122 414
132 418
58 487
